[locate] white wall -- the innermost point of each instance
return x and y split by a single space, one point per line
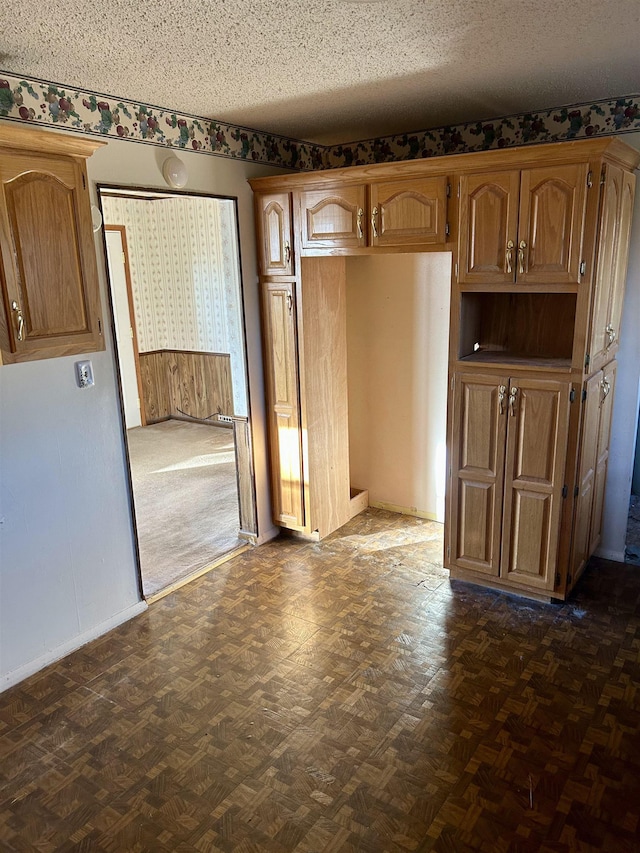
397 337
67 569
625 407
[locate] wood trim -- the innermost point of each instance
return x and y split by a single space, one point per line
186 352
35 139
245 477
132 316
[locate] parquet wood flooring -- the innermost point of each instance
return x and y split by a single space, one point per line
337 696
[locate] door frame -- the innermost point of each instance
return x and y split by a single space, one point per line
246 477
132 317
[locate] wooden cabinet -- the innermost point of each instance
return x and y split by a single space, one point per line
616 210
597 401
408 212
333 217
523 226
510 435
404 212
48 266
281 356
537 281
275 237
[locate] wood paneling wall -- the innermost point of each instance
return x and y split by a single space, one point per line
182 384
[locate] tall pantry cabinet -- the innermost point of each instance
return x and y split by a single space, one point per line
539 241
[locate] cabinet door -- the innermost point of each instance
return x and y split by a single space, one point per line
333 217
408 212
488 227
48 264
275 237
534 479
281 364
586 472
619 278
600 341
551 224
477 465
606 389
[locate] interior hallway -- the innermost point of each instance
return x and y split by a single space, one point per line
186 498
337 696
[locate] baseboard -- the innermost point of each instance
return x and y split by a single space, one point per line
404 510
17 675
607 554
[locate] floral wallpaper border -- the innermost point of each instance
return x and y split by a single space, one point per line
40 102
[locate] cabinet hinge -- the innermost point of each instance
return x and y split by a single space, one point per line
456 269
448 190
84 183
557 578
565 491
446 229
584 395
603 176
576 492
448 551
572 395
453 382
458 189
587 360
589 178
99 326
583 267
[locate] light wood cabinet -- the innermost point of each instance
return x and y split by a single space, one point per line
383 213
408 212
48 266
510 435
538 270
333 217
523 226
616 210
275 237
283 390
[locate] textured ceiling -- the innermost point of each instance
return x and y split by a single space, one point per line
331 70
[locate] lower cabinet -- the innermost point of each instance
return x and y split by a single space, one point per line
592 467
508 451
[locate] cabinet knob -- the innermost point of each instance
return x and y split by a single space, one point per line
19 319
606 388
287 252
512 401
374 224
509 256
359 222
521 249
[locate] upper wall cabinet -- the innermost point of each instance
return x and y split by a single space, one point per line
333 217
406 212
48 267
274 234
616 210
523 226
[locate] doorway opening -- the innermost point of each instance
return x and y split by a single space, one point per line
632 549
178 322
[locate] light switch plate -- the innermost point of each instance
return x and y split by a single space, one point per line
84 374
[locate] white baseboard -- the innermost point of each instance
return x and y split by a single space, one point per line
606 554
15 676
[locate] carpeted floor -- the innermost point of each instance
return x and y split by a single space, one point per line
186 498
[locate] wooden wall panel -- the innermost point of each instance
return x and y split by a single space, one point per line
181 384
246 483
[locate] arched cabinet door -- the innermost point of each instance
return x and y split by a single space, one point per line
551 224
333 217
408 212
275 236
488 228
48 266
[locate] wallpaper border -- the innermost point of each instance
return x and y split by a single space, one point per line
41 102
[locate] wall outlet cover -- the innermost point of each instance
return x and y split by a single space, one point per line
84 374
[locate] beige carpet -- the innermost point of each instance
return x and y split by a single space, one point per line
186 499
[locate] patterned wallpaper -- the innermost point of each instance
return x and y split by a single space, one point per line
183 256
41 102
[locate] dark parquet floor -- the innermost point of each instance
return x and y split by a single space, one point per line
340 696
